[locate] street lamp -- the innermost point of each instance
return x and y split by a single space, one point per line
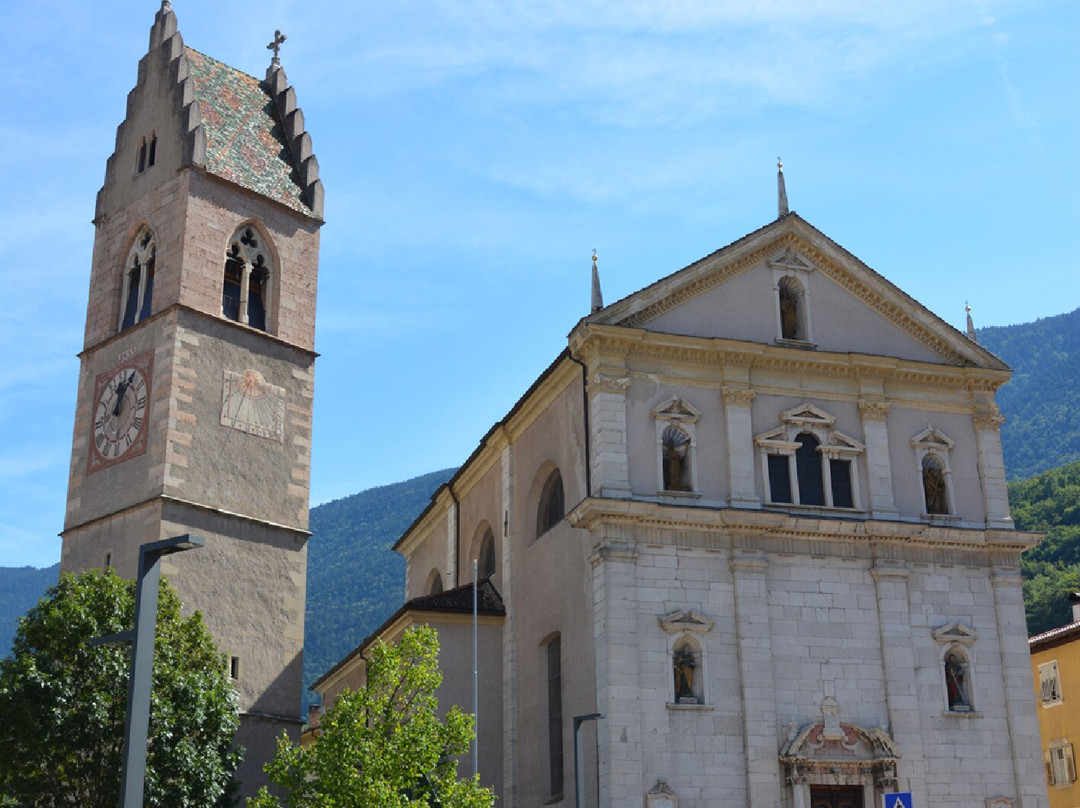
141 677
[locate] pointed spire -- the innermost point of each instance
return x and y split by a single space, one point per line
781 190
970 323
597 297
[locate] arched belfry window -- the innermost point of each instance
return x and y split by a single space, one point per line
138 283
552 507
246 287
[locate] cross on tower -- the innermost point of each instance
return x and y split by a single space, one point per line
275 46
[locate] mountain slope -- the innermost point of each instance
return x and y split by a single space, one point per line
1042 398
355 581
20 588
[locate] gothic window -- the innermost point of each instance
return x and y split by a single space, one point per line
151 151
140 165
676 446
1060 763
1049 683
246 286
553 654
147 153
138 282
932 448
551 508
485 567
805 461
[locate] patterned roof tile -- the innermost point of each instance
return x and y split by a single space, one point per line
245 141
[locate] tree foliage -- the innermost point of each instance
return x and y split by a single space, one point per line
64 703
383 746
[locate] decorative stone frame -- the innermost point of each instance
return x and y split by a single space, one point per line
140 259
1068 759
789 268
935 443
679 414
833 444
261 253
831 752
688 628
959 639
1049 684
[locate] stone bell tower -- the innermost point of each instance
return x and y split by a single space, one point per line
197 370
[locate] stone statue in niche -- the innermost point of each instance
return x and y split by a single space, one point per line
684 665
789 313
956 682
934 486
676 448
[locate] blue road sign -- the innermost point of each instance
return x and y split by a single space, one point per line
899 799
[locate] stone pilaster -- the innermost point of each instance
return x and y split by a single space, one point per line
899 664
617 677
740 441
763 785
878 464
607 417
509 792
992 468
451 547
1022 721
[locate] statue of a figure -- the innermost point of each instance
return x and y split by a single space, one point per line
956 682
934 487
789 314
684 674
675 448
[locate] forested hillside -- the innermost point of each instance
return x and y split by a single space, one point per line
355 581
1049 503
1041 401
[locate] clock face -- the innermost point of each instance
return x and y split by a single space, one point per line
121 401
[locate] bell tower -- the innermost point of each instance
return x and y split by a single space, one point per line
197 370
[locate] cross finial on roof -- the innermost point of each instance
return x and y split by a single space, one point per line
781 189
275 46
597 297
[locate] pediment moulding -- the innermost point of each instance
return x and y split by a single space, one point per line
955 633
789 259
931 438
676 409
686 620
828 748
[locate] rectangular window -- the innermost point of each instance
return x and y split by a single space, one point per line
779 479
234 667
1060 765
840 477
1049 683
554 693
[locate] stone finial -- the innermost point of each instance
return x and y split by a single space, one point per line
970 323
597 297
781 189
275 46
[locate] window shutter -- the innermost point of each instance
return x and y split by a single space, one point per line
1049 767
1070 763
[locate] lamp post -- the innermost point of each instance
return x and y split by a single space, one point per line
579 758
141 677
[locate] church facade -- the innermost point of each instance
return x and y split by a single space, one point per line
197 371
755 517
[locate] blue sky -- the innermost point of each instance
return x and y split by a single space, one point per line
474 153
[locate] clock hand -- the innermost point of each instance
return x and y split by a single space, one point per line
121 391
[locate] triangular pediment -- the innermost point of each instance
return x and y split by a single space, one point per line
730 294
676 409
686 620
931 438
955 632
807 415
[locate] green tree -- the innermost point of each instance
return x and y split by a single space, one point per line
64 703
383 746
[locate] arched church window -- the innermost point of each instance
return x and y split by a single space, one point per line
434 584
791 309
551 509
246 286
934 487
486 558
138 282
808 467
676 449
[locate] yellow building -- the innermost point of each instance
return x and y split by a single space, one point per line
1055 661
